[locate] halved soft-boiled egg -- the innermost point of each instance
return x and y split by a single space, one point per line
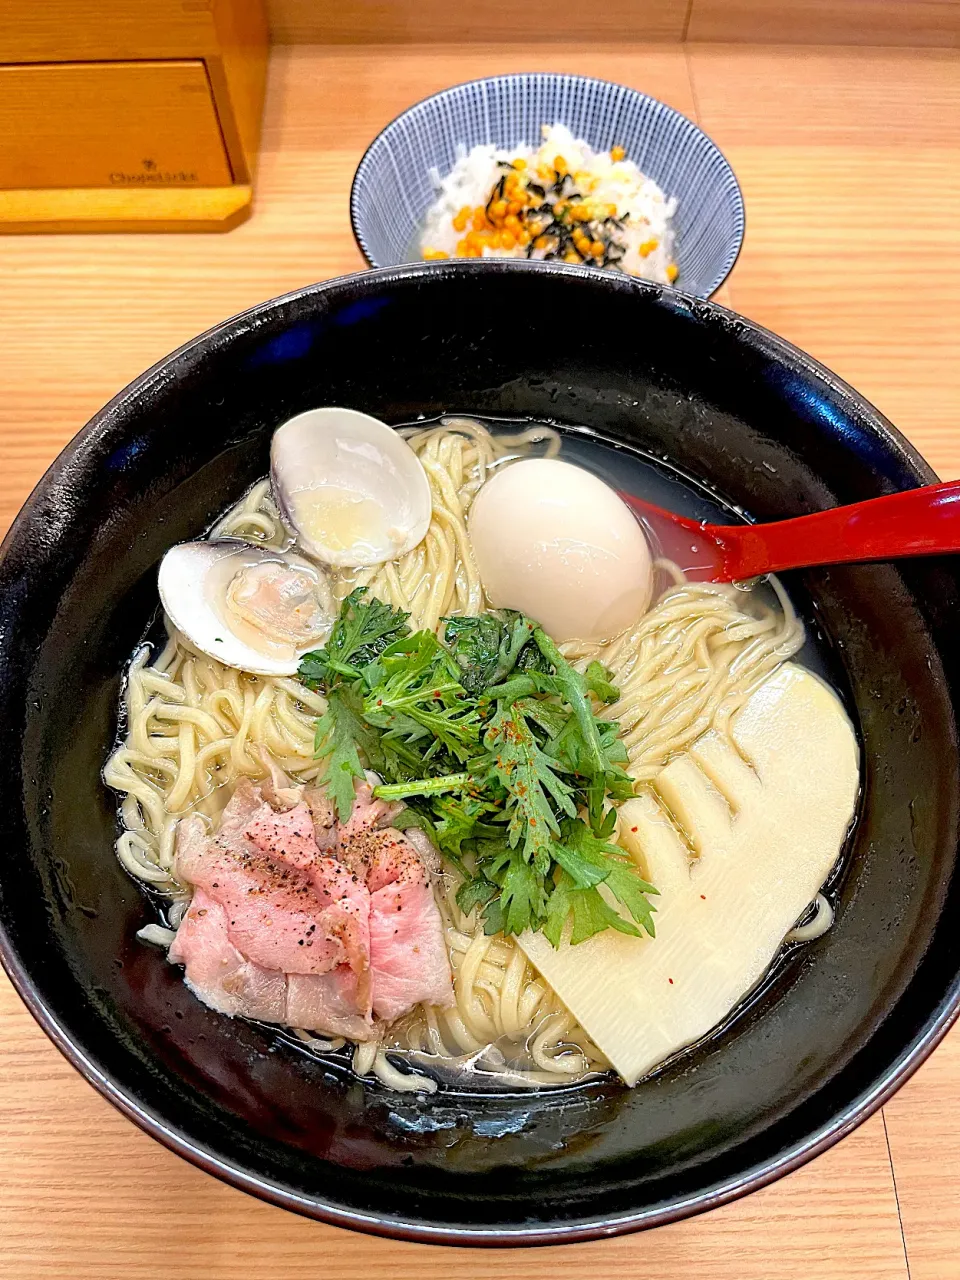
558 544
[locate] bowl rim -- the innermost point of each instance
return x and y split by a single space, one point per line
922 1043
740 212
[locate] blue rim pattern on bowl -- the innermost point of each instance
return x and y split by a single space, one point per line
394 183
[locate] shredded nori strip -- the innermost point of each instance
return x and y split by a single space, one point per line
542 222
496 194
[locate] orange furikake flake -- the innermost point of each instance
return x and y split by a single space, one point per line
543 213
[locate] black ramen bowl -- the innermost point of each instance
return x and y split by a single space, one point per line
847 1017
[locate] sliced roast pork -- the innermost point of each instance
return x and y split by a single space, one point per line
408 955
300 920
218 973
287 907
327 1002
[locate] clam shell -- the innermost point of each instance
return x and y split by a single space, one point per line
350 487
193 581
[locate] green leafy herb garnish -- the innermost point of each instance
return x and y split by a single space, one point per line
362 632
495 744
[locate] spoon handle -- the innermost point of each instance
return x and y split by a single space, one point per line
913 523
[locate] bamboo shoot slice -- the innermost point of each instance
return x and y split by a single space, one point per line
738 840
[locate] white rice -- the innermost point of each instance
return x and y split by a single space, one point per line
645 211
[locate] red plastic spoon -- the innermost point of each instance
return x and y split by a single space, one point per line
918 522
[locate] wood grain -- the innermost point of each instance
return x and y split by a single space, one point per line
86 101
76 210
77 29
832 148
238 76
115 30
110 124
405 21
870 22
867 22
923 1127
850 251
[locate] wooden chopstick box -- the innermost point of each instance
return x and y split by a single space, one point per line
129 115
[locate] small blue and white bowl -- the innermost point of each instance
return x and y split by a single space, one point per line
394 185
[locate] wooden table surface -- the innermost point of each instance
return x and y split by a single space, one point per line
850 166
